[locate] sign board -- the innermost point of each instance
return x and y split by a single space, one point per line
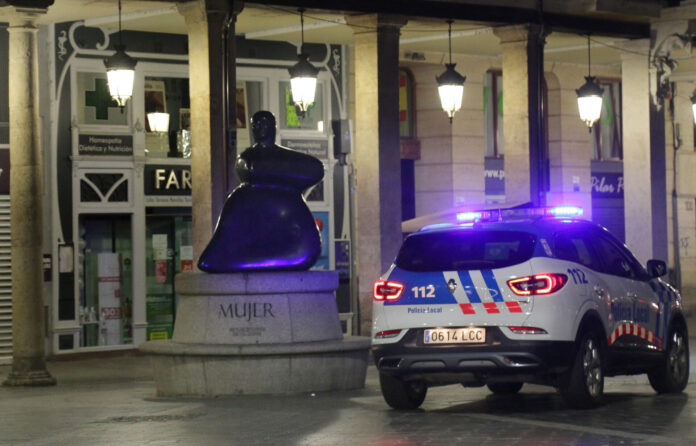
607 185
105 145
494 176
167 185
318 148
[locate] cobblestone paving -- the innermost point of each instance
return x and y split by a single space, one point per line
111 401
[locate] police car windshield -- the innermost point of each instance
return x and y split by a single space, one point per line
465 250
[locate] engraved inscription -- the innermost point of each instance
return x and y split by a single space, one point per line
246 311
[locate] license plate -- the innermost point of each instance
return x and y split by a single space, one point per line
469 335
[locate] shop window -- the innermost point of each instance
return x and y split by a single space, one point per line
606 136
290 120
410 146
105 283
168 95
493 113
406 109
249 99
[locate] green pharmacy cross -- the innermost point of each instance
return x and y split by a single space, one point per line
100 98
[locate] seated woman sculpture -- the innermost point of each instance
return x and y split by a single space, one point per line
265 223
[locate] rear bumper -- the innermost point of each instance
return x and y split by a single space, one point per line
498 356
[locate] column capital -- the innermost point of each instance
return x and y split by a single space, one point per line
23 17
635 49
198 10
369 23
518 33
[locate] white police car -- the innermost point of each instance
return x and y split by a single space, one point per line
524 295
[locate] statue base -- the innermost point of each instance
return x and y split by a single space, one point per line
257 333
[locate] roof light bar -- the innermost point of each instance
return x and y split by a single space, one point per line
565 211
468 216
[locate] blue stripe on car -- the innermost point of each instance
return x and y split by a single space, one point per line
410 280
469 287
492 284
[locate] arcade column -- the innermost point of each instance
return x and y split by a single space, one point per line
28 332
525 152
212 71
377 158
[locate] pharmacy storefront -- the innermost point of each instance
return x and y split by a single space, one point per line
121 184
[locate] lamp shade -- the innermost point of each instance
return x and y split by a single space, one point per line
159 122
303 82
590 101
451 90
120 72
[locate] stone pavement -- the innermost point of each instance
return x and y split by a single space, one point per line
111 401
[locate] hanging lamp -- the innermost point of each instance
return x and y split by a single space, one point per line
450 83
589 96
303 77
120 70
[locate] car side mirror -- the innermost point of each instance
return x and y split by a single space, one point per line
657 268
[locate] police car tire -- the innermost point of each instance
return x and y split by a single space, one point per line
505 388
673 375
573 385
400 394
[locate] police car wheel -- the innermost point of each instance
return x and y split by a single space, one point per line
402 395
582 387
505 388
673 375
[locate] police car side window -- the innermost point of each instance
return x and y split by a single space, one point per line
574 248
614 260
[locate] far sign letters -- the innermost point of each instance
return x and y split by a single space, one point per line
167 180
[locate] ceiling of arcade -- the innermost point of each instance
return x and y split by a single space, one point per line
420 35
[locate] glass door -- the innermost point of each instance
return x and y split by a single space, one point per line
169 251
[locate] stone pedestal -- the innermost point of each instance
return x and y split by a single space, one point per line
256 333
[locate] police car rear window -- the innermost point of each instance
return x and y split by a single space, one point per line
465 250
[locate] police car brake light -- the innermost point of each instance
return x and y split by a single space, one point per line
385 290
538 284
388 334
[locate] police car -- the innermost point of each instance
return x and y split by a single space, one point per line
515 296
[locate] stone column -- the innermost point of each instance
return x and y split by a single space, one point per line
28 329
377 157
525 154
214 150
635 96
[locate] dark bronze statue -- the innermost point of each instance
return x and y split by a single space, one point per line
265 224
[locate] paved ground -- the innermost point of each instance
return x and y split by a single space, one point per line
112 401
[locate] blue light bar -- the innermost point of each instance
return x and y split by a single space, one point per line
468 216
565 211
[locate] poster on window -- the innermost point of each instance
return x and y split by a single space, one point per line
109 294
322 221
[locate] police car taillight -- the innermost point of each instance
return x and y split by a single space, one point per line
538 284
385 290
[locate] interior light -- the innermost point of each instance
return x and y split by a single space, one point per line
159 122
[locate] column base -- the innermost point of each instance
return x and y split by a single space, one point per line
33 378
